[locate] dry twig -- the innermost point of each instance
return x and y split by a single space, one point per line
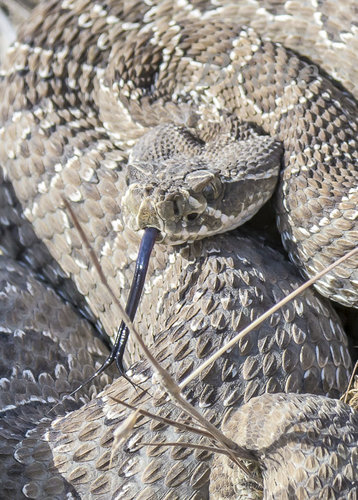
228 447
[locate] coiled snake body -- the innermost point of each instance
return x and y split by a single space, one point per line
101 102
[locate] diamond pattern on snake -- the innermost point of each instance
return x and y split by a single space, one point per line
189 117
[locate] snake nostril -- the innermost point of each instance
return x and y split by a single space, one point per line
176 208
192 216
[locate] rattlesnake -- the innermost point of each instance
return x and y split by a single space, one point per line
62 103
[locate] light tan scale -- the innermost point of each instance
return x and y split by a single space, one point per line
175 115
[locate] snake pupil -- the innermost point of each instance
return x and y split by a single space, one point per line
209 192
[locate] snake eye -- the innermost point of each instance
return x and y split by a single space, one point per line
211 191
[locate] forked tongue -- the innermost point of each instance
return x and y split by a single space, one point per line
145 250
135 293
117 352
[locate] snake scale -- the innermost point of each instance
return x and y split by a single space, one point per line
101 101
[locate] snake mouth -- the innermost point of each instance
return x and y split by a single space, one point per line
177 216
161 236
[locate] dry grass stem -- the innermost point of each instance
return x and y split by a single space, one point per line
264 316
351 394
167 382
164 420
98 268
229 447
123 432
184 444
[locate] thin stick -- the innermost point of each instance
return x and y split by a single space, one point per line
98 268
165 379
186 444
345 395
264 316
173 389
164 420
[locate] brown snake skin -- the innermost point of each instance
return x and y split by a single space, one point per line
69 118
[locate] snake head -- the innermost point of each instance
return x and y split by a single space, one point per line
188 189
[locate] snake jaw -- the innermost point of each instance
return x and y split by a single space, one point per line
178 215
138 209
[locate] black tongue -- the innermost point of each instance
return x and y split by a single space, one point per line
145 249
135 293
